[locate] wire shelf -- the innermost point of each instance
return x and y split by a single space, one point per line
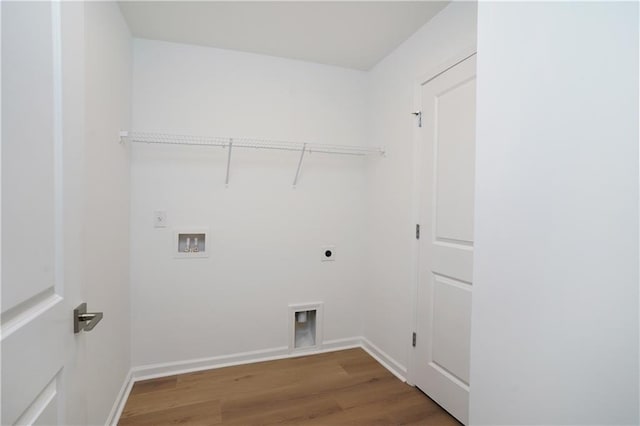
173 139
230 143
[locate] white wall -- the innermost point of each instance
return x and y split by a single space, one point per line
555 304
265 236
106 223
391 217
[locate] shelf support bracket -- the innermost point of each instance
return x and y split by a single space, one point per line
123 136
304 149
226 180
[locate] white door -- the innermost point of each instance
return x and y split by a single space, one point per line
41 357
446 244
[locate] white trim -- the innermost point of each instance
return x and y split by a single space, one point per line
41 403
462 55
397 369
154 371
58 149
415 216
28 311
341 344
121 400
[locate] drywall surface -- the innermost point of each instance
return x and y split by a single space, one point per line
555 303
106 225
391 215
264 237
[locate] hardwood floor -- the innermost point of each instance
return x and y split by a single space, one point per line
337 388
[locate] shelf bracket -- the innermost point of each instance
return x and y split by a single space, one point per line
123 136
226 180
304 149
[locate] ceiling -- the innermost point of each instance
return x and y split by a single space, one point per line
351 34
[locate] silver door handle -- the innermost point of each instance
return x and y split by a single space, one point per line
83 320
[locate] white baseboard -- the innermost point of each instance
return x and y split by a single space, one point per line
121 400
153 371
341 344
387 362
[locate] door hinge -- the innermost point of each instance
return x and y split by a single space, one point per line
419 115
417 231
413 339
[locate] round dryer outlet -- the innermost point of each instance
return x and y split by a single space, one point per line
328 253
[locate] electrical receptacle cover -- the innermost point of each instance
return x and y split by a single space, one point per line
328 253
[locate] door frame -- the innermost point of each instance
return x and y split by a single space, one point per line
418 169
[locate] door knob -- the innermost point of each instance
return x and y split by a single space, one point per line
83 320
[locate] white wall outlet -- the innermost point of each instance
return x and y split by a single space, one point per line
328 253
159 219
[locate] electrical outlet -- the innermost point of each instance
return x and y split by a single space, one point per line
328 253
159 219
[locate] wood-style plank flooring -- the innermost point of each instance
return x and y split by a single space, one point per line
337 388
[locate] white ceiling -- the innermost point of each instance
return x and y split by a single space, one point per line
352 34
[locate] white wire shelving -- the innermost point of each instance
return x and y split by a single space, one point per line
231 143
